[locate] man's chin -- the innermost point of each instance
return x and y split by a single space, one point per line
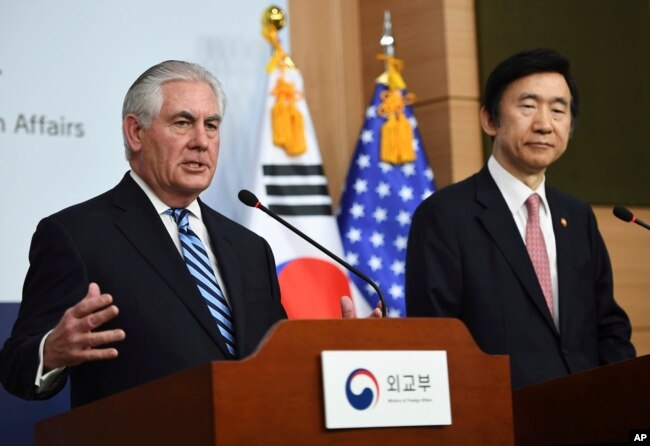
540 163
193 187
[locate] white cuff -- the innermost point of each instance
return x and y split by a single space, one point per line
45 382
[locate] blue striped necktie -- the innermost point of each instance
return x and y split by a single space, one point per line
198 264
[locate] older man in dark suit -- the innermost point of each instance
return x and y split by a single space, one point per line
522 264
191 285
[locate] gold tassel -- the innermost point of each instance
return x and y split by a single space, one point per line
396 133
286 120
397 140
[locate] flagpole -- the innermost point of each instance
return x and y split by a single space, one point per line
387 40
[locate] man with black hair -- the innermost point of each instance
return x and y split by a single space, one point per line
521 263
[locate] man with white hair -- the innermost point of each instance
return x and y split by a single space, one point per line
145 279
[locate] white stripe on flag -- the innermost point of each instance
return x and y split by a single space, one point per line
292 180
300 199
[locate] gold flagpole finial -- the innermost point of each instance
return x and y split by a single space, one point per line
274 16
273 20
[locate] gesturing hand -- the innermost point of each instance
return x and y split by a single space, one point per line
73 340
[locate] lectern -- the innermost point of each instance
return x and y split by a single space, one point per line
597 406
275 397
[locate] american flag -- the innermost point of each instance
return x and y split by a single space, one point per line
375 211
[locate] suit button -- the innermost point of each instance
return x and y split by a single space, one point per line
565 351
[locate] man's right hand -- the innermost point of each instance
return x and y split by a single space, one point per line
73 340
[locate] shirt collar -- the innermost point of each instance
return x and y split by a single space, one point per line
160 205
513 190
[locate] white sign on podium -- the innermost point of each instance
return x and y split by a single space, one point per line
385 388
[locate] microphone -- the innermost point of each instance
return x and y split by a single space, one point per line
249 199
626 215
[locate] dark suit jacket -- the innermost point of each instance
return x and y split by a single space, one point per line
466 259
118 240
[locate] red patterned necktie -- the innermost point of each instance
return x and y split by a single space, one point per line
537 249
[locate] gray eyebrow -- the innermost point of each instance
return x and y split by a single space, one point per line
190 117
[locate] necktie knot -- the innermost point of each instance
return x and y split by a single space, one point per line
180 216
532 205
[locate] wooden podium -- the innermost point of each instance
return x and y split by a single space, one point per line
597 406
275 397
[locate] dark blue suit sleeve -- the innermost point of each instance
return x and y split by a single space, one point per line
55 281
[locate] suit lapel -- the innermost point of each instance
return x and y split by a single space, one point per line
563 246
497 220
231 274
141 225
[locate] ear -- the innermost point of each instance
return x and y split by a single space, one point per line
133 132
486 122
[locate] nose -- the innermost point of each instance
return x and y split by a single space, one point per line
542 122
200 139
